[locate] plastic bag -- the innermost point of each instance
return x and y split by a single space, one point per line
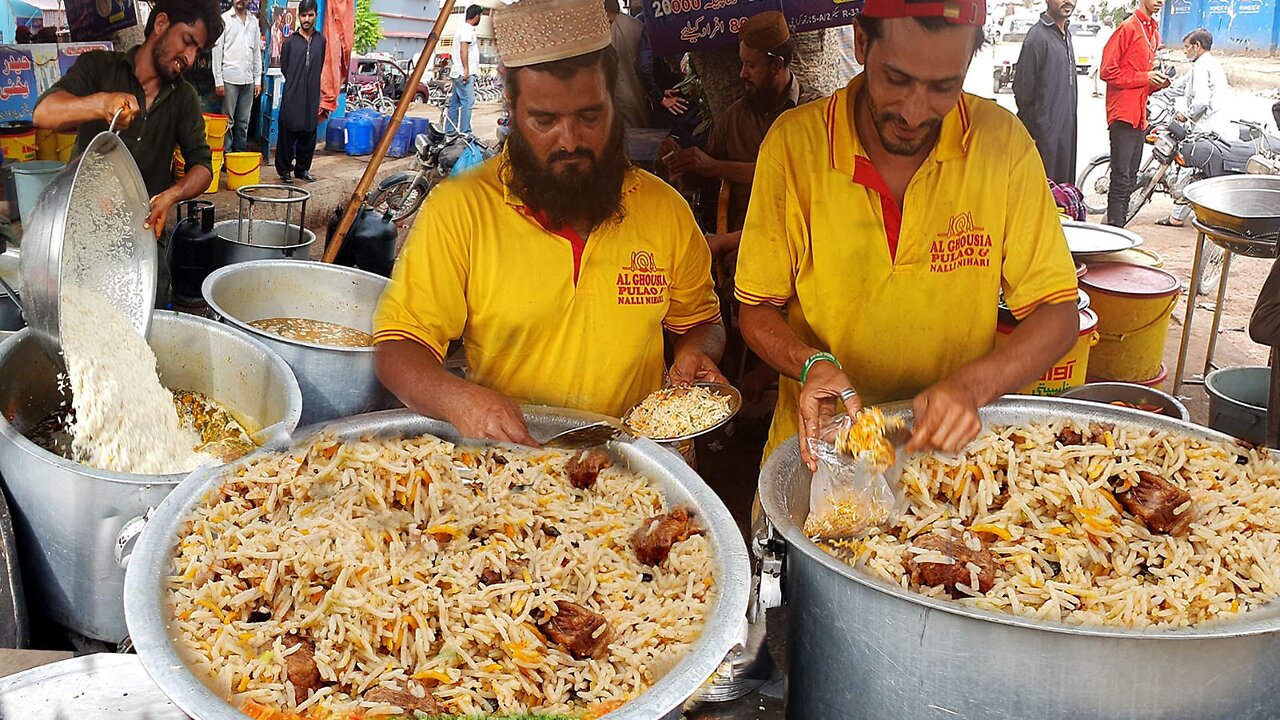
848 497
471 157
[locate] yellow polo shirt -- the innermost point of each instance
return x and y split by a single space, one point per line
545 317
902 297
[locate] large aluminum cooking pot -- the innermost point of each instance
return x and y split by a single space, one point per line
76 524
245 240
864 648
145 593
10 311
336 381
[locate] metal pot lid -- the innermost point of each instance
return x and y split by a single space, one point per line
88 229
1085 239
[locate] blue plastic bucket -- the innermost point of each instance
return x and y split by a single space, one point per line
30 179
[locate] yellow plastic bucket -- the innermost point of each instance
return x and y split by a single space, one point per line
66 144
243 168
46 144
1133 303
215 130
1071 370
218 159
18 142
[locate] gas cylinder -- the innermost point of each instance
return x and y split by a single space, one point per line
191 251
370 243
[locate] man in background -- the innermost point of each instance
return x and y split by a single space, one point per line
1045 90
1128 69
237 70
462 73
631 101
301 62
1208 97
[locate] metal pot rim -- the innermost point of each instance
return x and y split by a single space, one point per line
1261 621
206 289
290 421
153 552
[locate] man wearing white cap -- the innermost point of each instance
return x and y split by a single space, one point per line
883 226
557 263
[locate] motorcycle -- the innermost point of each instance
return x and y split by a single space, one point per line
435 155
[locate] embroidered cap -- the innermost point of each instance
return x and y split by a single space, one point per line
537 31
959 12
764 32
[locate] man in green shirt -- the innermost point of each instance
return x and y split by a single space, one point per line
158 108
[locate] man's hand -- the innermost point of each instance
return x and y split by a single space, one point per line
160 206
257 89
691 160
1180 117
722 244
485 414
1158 79
819 400
693 366
220 91
674 102
946 418
124 103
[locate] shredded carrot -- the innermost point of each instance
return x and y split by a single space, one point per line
440 677
996 530
1112 500
601 709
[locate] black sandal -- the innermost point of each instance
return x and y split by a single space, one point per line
1166 222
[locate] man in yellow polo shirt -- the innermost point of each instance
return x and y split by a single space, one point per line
557 263
886 221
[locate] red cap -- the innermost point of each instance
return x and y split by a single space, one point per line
959 12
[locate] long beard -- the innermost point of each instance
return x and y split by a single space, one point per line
762 99
593 195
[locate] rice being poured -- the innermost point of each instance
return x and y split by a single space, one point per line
387 575
125 419
1090 524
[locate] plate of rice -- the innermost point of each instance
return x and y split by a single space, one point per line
682 412
379 569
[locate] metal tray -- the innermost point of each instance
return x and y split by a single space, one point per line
90 686
146 594
1087 240
1248 205
729 391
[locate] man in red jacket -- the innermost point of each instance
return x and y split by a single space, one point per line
1128 62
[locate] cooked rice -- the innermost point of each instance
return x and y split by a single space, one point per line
678 411
373 550
314 331
1065 548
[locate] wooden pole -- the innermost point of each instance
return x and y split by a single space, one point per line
375 162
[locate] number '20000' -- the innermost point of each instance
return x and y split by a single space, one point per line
673 7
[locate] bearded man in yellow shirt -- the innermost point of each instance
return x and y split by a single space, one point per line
558 263
886 221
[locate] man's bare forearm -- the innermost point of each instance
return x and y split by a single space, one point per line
767 333
62 111
417 377
735 172
1040 340
707 338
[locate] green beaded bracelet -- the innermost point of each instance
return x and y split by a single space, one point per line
816 358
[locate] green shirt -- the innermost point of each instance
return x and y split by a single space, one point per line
174 119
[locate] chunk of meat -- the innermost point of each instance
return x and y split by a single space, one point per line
300 667
582 632
1070 436
962 549
410 699
654 539
493 576
585 466
1155 501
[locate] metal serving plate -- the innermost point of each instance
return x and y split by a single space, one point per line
89 686
146 596
729 391
1244 204
1089 239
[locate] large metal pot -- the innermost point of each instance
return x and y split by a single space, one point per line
10 312
245 240
76 524
145 591
864 648
336 381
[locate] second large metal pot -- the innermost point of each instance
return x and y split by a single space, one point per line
245 240
146 589
864 648
336 381
75 523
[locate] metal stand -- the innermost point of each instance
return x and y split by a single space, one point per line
1231 244
285 196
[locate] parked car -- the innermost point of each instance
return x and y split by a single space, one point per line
1087 38
368 69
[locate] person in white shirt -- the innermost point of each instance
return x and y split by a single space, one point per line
462 73
237 71
1208 99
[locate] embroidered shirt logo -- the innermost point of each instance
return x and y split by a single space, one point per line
642 282
964 244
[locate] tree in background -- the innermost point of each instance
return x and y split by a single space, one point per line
368 27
